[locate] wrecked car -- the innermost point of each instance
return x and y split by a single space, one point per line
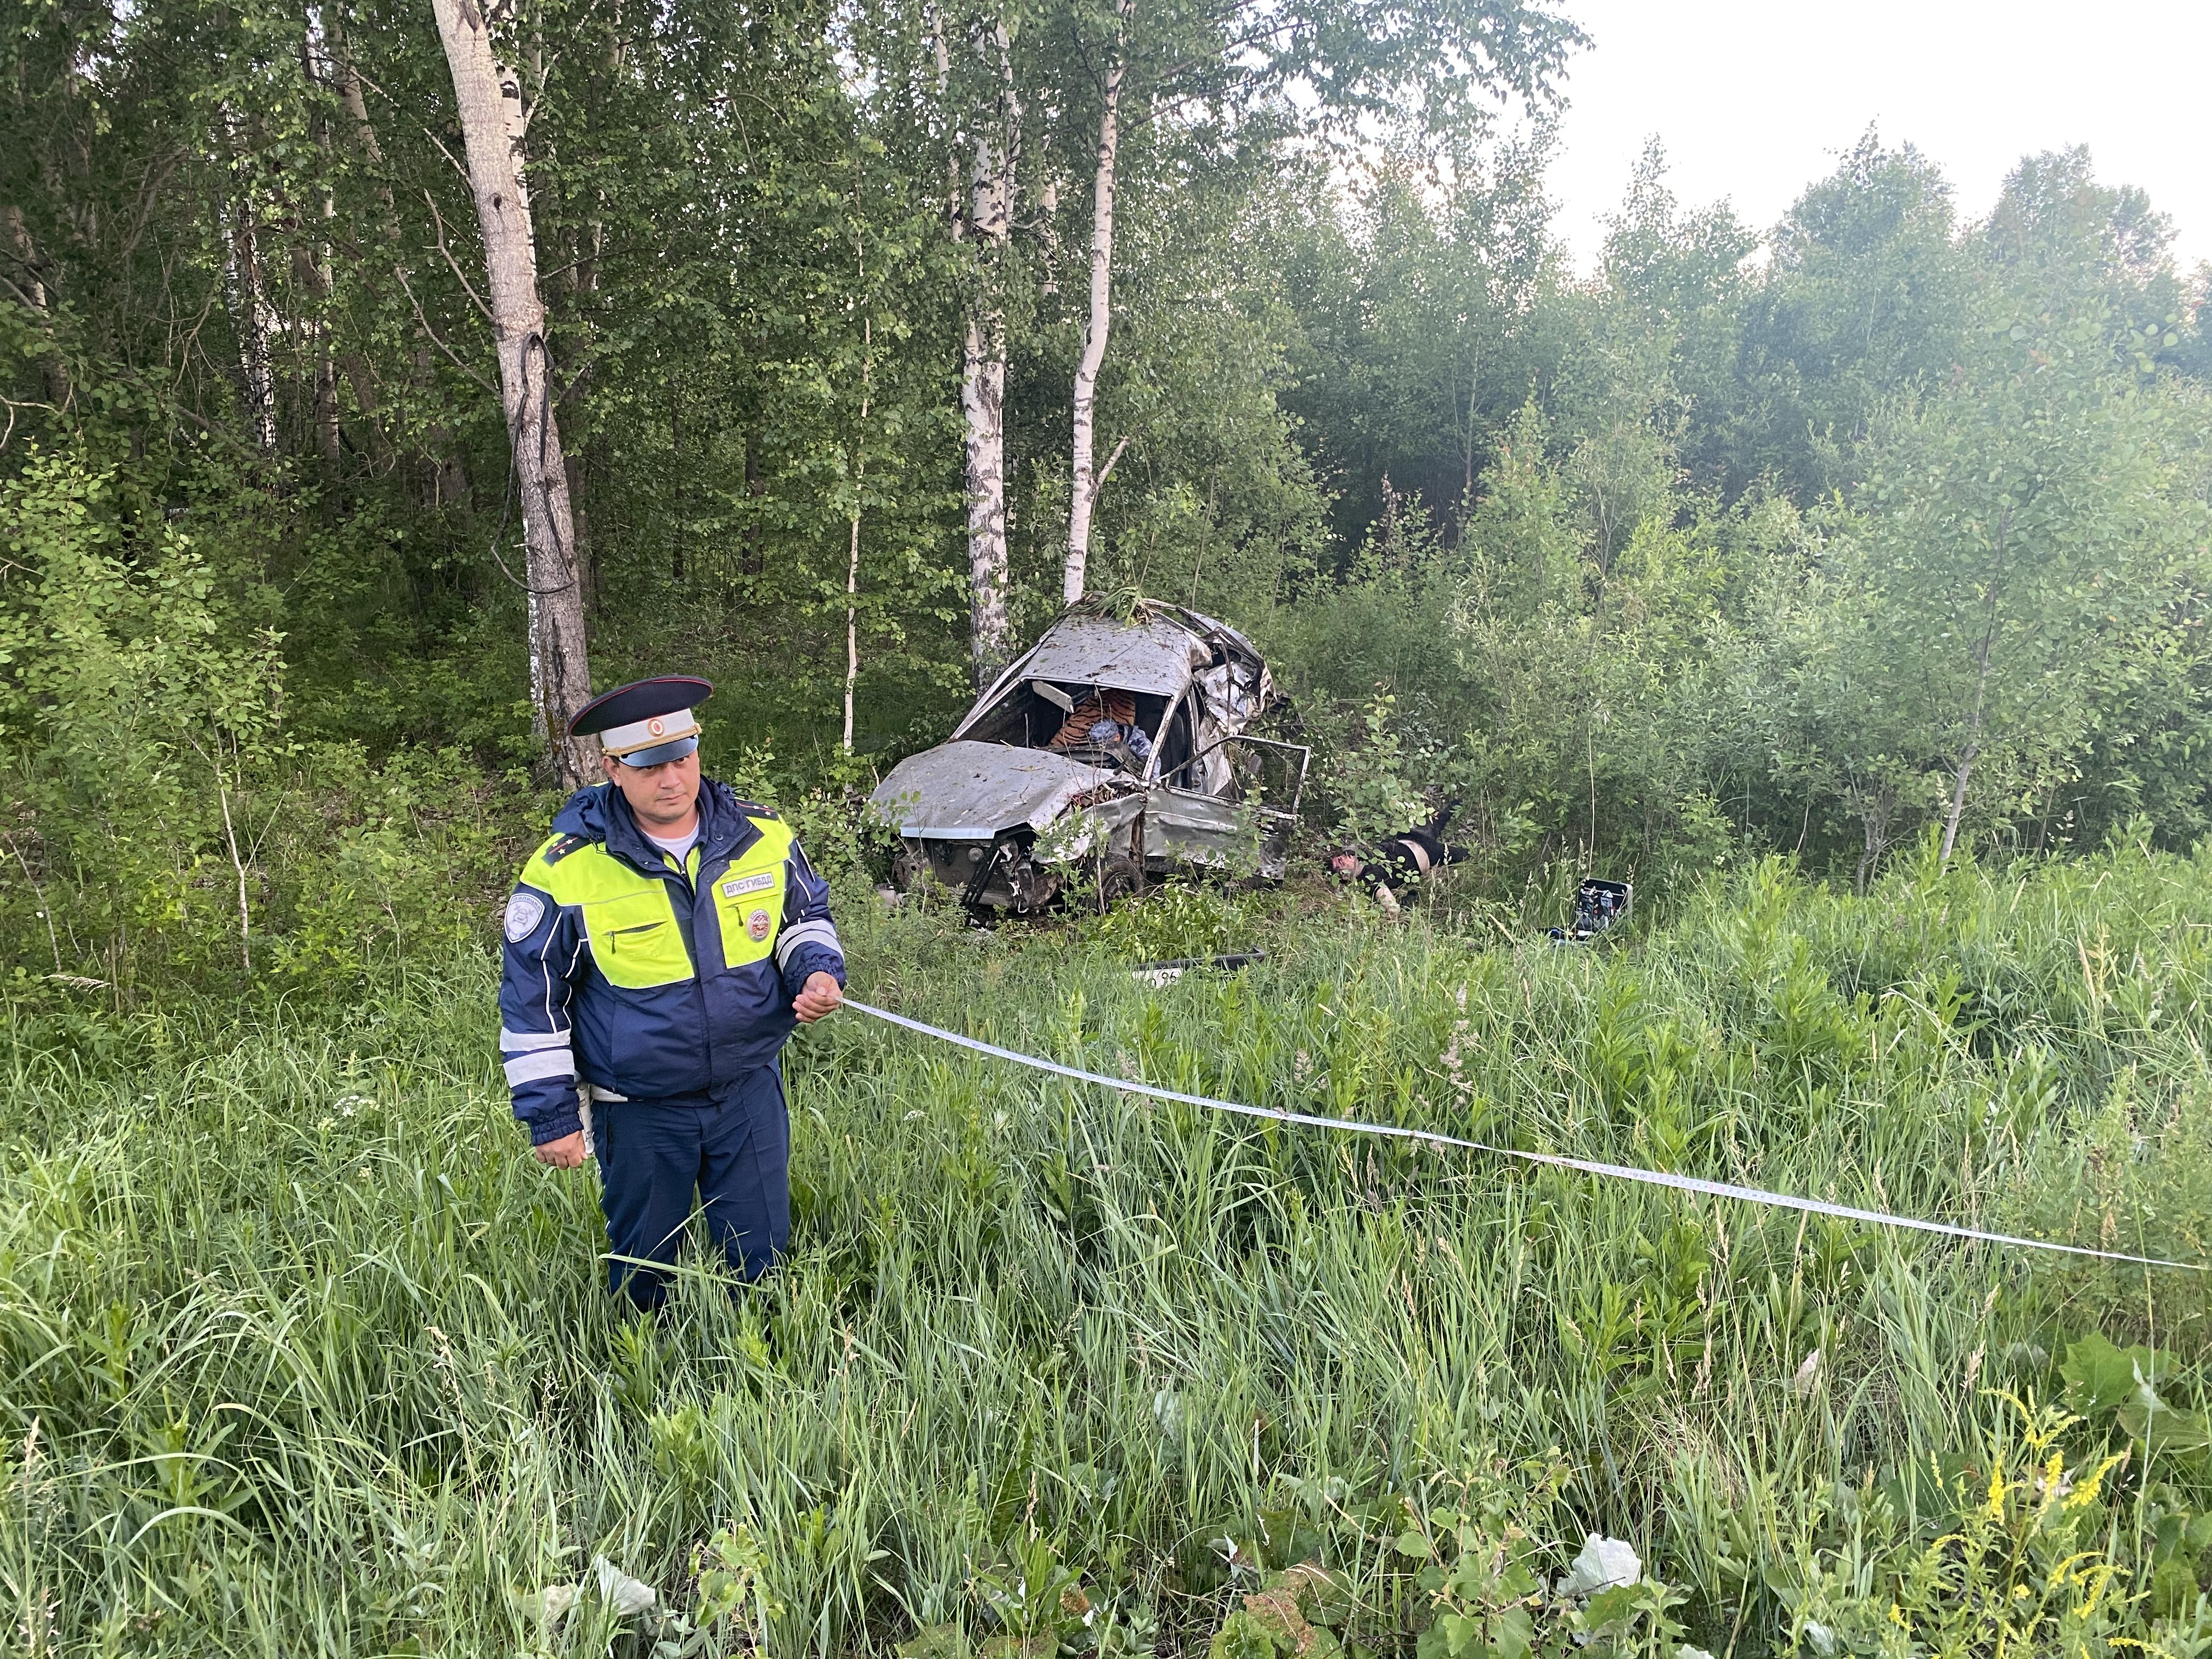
1114 749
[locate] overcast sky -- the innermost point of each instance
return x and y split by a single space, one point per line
1754 99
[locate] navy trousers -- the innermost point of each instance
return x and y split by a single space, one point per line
732 1148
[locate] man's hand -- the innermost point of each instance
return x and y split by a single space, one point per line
821 995
565 1153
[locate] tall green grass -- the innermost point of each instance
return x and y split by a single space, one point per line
301 1353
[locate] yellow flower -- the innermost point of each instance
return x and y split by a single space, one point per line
2084 1490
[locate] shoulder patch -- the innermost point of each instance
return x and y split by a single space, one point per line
560 847
755 810
524 912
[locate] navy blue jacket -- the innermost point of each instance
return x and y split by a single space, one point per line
648 982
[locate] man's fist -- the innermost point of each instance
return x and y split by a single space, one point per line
821 995
565 1153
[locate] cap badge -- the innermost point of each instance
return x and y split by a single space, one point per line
657 726
757 926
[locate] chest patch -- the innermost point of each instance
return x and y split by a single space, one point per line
757 926
744 884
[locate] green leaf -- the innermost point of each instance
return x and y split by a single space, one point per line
2099 1378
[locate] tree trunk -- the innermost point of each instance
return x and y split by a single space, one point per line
852 555
346 81
982 403
1984 653
1958 799
311 264
16 235
1973 749
1874 805
1083 495
489 95
249 306
992 183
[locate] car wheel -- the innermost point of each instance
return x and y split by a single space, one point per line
1119 877
910 868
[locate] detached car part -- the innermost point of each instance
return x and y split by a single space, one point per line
1598 905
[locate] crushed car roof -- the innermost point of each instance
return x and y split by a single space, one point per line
1153 656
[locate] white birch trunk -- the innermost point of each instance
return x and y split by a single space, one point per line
852 628
983 404
311 266
1083 494
984 374
853 557
489 95
15 236
249 305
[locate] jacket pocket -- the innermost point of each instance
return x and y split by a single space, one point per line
635 940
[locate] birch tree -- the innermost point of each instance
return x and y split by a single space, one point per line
1430 68
250 309
993 145
489 95
1084 405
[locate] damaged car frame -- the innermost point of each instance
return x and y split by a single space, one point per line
1112 750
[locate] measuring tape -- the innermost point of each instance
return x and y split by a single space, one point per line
1679 1184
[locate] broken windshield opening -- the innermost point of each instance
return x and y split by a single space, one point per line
1027 718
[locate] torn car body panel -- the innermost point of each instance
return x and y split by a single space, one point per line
1108 742
962 791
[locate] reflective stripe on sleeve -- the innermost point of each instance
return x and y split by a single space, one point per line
518 1042
546 1062
806 933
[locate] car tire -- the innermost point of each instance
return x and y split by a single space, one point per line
1119 877
910 868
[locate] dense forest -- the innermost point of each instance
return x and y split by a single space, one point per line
379 380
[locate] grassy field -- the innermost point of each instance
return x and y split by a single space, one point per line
300 1353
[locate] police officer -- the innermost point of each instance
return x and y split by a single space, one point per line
660 947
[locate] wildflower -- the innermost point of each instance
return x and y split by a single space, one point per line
2084 1491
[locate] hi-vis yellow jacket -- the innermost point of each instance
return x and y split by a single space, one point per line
648 981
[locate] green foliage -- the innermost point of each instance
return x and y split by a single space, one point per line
1181 920
295 1337
2025 1566
1490 1597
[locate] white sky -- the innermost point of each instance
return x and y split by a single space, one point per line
1755 98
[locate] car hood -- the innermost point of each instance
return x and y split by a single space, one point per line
963 791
